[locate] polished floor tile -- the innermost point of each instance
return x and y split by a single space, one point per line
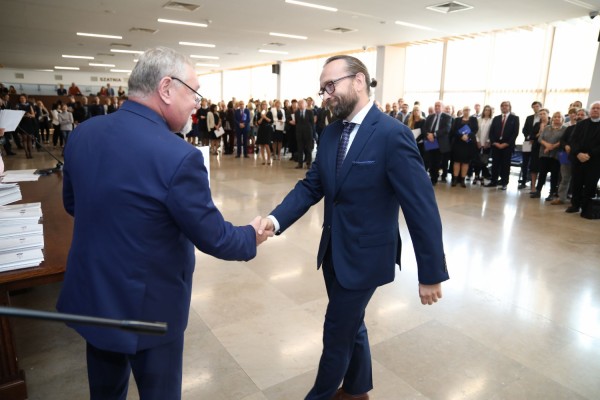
519 318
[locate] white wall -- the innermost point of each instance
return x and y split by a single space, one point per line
40 82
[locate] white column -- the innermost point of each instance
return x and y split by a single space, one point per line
390 74
595 85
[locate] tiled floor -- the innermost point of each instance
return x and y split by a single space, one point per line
520 317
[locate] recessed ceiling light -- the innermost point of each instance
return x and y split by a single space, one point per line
320 7
83 57
100 65
272 51
204 57
288 36
408 24
99 35
71 68
127 71
172 21
126 51
206 65
196 44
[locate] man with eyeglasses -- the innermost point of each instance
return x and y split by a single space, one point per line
367 167
141 202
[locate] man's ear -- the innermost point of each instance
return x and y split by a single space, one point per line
166 90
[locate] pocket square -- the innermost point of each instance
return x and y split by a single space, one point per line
363 162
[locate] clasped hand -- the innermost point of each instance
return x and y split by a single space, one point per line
264 229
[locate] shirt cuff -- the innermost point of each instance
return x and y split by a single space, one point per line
275 223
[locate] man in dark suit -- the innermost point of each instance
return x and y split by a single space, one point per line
585 161
304 123
503 133
437 127
141 202
367 167
529 136
242 127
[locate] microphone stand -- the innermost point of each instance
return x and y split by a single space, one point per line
48 171
149 328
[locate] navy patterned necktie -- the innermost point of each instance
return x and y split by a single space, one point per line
343 145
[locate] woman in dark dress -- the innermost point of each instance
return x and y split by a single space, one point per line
263 120
28 126
534 161
464 145
416 121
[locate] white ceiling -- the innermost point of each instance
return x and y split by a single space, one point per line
35 33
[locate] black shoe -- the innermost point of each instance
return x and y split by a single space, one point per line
522 186
535 195
10 153
246 156
490 185
549 198
238 156
299 166
503 187
572 209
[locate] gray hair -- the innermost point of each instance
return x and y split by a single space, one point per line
153 65
355 66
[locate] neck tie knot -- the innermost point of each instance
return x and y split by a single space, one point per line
343 145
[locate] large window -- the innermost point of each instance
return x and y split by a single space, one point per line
210 86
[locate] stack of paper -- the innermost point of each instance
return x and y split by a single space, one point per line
20 175
9 193
21 236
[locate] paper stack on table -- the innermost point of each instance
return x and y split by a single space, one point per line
9 193
20 175
21 236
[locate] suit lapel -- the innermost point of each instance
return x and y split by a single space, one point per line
365 130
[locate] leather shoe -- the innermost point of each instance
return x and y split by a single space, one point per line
535 195
572 210
342 395
490 185
299 166
522 186
557 202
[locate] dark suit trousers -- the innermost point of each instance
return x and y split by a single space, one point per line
584 180
346 354
501 165
242 141
436 160
157 372
305 145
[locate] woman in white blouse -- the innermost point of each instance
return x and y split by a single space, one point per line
483 144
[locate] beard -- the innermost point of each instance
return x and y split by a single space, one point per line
344 106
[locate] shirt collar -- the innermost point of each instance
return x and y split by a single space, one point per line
360 116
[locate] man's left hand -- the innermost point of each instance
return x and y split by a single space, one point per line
430 294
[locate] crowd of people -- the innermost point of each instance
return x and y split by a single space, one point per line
41 125
458 145
462 145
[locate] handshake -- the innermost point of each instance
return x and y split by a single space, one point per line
264 228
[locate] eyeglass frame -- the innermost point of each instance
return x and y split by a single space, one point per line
199 97
332 84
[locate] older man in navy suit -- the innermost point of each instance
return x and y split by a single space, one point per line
141 202
367 167
242 127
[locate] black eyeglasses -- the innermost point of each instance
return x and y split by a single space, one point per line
330 86
198 97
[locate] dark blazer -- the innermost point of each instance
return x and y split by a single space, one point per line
304 126
242 116
586 139
443 132
511 130
382 172
528 127
141 202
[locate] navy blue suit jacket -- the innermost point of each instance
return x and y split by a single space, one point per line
141 202
382 172
242 116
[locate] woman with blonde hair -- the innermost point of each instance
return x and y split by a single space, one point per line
549 143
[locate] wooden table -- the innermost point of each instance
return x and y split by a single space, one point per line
58 231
